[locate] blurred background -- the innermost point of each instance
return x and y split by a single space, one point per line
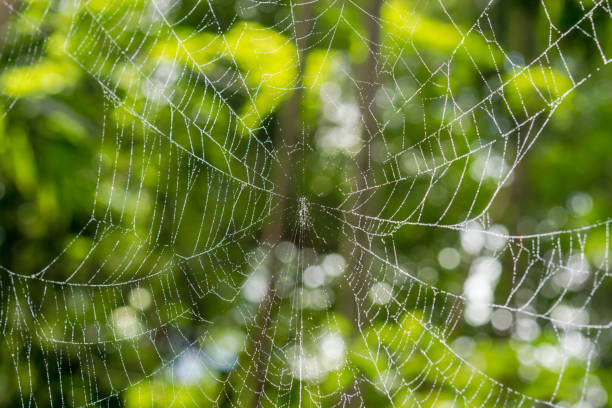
305 203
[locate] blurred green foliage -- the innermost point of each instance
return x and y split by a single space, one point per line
138 143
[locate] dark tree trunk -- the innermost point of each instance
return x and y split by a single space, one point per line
284 177
368 81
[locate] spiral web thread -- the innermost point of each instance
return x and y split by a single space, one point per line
173 147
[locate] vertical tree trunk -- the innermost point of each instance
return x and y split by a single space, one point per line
6 8
368 81
519 36
283 176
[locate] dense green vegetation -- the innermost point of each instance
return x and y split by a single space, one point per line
305 203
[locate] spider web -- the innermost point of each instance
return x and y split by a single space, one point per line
216 268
